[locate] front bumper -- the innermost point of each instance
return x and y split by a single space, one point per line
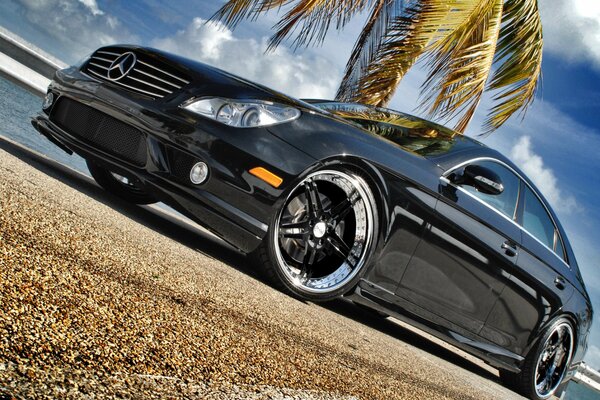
232 203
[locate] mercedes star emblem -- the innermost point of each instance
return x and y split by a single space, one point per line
121 66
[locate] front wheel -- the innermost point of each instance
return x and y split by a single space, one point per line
546 364
323 236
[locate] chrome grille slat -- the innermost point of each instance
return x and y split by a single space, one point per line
156 77
127 86
148 83
110 53
147 74
102 59
99 66
164 72
96 73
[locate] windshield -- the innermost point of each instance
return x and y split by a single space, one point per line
414 134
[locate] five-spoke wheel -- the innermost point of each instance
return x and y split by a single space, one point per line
546 364
323 235
553 360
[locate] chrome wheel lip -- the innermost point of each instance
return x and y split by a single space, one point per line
565 364
365 193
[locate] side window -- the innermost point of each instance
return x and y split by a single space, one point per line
536 220
505 202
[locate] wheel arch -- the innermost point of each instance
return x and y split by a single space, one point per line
372 175
360 172
567 315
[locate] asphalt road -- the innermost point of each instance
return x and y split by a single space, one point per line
102 299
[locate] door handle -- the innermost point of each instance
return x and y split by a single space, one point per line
560 282
509 248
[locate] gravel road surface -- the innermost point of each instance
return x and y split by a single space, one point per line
102 299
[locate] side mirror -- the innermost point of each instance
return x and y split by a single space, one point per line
481 178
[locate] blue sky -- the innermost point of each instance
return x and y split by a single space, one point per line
557 143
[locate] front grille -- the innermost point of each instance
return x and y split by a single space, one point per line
107 133
148 75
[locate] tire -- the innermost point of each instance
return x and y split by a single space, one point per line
546 364
126 188
322 238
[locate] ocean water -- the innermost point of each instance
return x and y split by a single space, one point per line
576 391
17 106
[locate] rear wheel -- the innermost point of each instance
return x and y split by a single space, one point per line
321 239
546 365
124 187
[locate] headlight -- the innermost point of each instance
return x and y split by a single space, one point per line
242 113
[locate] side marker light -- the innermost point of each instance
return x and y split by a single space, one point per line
267 176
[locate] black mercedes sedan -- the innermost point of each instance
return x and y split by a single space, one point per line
335 199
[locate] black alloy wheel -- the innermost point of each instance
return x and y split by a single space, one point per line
546 365
322 237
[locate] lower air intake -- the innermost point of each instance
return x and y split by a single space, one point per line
104 131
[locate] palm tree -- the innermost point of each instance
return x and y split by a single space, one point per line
468 46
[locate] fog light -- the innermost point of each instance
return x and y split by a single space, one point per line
199 173
48 100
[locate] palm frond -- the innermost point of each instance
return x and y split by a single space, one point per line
234 11
460 64
460 40
420 24
520 57
378 115
313 18
384 124
383 15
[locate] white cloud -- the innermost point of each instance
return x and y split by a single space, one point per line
572 29
293 74
92 6
79 26
543 177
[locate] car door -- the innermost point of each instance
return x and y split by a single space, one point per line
539 285
460 267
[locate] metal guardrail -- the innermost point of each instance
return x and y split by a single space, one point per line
25 64
588 376
32 68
